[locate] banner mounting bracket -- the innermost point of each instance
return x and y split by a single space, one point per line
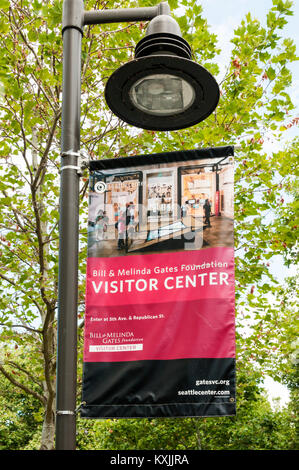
82 162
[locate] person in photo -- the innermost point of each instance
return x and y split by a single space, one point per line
121 226
207 209
100 226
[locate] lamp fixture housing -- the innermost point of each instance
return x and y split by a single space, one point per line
162 88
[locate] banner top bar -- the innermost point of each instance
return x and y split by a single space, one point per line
164 157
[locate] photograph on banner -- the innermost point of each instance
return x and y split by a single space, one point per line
161 209
159 330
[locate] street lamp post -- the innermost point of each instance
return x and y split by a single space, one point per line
190 94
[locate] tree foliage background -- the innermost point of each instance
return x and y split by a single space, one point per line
255 104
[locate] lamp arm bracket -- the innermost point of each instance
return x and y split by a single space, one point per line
125 14
75 17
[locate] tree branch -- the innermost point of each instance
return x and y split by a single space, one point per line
23 387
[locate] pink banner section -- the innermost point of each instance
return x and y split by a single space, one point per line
176 330
186 309
142 279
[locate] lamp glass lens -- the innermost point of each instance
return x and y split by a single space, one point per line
162 94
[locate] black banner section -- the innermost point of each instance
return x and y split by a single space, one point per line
146 389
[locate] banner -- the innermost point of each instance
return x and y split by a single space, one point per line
159 338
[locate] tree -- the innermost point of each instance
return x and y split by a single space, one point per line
254 102
21 413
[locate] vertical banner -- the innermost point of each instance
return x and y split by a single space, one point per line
159 336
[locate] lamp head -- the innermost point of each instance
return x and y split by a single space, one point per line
162 88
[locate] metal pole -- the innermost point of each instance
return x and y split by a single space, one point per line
74 19
69 232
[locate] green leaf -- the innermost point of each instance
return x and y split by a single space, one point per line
4 4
